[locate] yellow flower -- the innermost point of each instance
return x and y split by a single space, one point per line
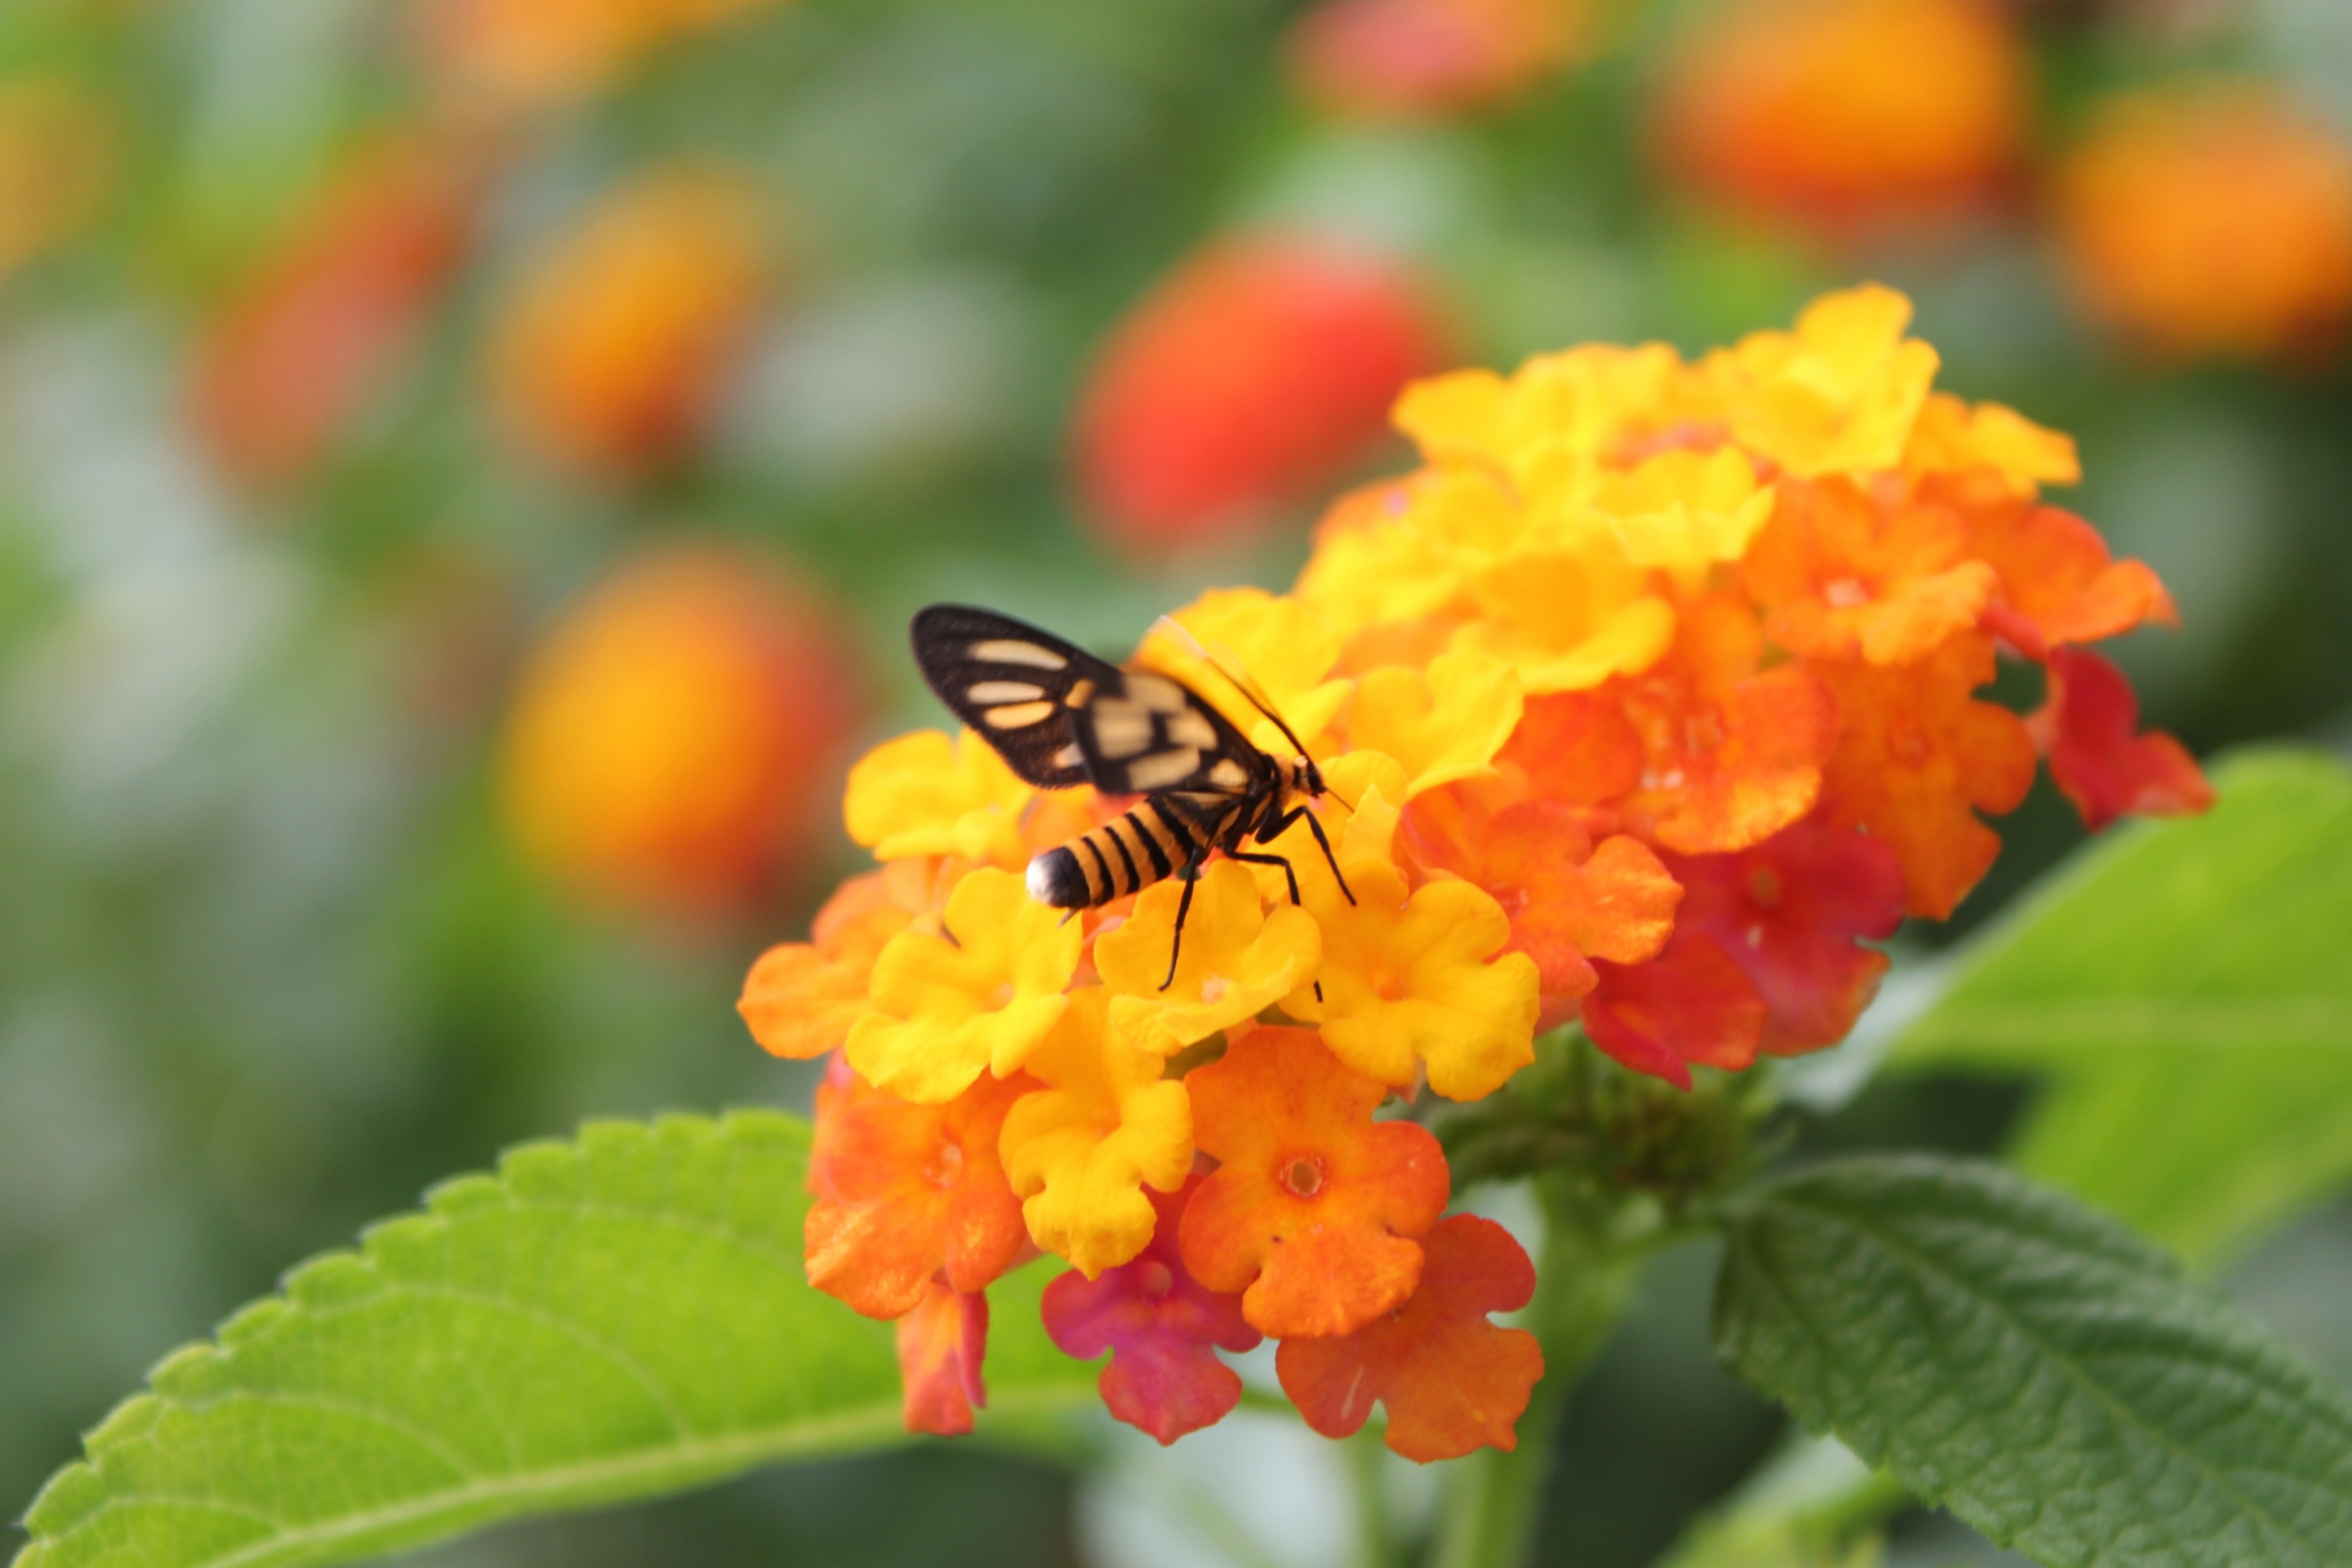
1080 1151
1442 724
1408 981
1281 644
1685 510
1952 438
1238 958
926 795
1569 619
978 999
1557 414
1837 395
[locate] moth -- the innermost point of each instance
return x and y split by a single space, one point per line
1060 717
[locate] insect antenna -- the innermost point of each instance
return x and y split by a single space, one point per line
1178 633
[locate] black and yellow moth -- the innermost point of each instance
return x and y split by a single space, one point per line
1059 716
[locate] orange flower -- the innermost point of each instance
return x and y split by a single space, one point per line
2089 726
670 740
1314 1207
906 1191
1914 753
1404 60
802 997
1452 1382
1846 113
941 1345
2058 584
1846 576
2211 220
1729 755
616 341
1575 747
1567 900
300 346
1260 369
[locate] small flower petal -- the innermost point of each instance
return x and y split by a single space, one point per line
2106 766
1238 958
1421 979
1691 1005
1452 1380
1442 724
1313 1206
976 999
941 1345
905 1191
926 795
1163 1328
1080 1151
1914 753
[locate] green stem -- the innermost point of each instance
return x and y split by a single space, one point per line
1591 1259
1375 1535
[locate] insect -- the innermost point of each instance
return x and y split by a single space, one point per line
1059 716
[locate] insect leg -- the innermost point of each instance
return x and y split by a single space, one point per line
1281 824
1189 874
1289 875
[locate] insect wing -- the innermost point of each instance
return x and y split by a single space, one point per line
1020 688
1150 734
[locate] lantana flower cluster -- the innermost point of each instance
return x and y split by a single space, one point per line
1650 700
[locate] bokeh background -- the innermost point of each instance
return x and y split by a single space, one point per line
466 467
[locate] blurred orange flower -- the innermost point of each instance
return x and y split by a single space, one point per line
538 54
56 161
616 341
1846 113
2211 220
1256 372
1401 59
297 351
672 741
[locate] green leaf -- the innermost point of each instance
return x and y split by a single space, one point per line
608 1318
2184 985
2046 1375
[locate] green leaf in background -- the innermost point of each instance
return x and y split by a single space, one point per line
2187 987
2046 1375
607 1319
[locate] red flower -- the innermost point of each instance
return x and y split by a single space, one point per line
1452 1380
941 1345
2089 728
1258 371
1689 1006
1163 1328
298 350
1790 912
1314 1206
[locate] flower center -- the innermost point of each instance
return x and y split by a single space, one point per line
1003 996
1846 594
1304 1177
1155 1282
945 1167
1213 989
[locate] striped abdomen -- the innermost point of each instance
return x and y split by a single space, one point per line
1118 857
